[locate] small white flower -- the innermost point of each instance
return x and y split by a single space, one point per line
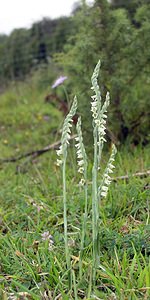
103 127
103 122
94 109
81 163
110 171
107 96
50 246
81 170
59 152
107 176
79 151
79 155
94 103
107 181
59 162
104 188
82 182
103 194
99 143
111 166
97 122
103 139
95 115
101 133
77 146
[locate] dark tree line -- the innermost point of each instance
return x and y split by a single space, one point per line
117 32
25 49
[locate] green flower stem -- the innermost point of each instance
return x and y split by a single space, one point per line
100 148
65 218
74 285
66 95
84 223
95 211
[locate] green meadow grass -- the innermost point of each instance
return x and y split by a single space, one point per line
31 203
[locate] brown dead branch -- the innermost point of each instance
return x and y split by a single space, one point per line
143 174
138 174
35 153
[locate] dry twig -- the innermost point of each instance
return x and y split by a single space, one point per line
35 153
127 177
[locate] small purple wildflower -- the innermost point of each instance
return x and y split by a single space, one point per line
46 236
59 81
38 207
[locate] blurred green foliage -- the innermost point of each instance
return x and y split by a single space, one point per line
25 49
117 32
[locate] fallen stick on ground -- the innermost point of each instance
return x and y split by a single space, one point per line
127 177
143 174
35 153
55 146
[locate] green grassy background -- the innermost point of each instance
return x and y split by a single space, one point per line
30 185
